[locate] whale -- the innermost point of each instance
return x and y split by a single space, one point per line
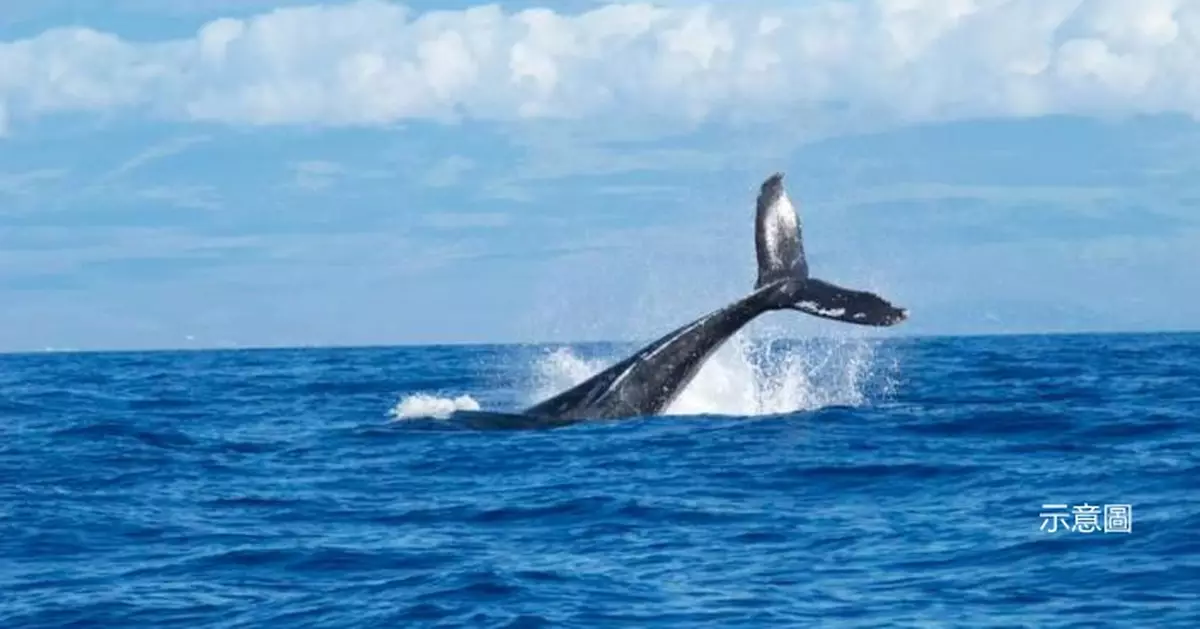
648 381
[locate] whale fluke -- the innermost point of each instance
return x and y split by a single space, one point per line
649 380
778 235
779 243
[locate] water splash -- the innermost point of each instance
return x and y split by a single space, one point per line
747 376
751 376
425 406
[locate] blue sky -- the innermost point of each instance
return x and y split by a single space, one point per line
188 173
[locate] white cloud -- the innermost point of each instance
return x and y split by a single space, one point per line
25 183
466 220
376 63
448 171
195 197
156 152
316 174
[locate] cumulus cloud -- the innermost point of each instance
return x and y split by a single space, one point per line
372 62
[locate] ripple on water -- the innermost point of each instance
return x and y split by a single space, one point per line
852 485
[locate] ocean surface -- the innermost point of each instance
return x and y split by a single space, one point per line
822 483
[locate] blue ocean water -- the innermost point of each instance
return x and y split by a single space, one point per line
887 483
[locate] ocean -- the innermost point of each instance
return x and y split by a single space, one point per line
1009 481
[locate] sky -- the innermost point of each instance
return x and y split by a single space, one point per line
220 173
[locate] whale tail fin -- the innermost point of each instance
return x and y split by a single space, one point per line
830 301
779 244
778 236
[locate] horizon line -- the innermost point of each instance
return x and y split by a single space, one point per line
416 345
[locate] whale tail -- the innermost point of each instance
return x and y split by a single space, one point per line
779 243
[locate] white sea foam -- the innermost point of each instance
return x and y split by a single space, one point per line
427 406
